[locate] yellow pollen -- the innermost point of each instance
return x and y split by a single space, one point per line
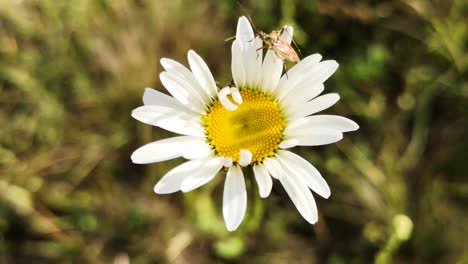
257 125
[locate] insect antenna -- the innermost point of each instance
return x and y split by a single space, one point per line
297 47
230 38
248 16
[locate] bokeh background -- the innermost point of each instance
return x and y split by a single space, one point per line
72 71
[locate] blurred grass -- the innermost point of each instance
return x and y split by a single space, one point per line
72 71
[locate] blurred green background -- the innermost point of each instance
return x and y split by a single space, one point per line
72 71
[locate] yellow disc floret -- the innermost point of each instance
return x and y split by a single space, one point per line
256 125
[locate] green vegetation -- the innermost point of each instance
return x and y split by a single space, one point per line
72 71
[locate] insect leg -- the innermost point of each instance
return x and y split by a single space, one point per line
285 69
262 47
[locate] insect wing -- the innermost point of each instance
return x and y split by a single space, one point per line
285 51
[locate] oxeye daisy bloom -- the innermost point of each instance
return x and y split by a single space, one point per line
281 115
251 124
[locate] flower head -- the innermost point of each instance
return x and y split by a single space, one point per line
251 123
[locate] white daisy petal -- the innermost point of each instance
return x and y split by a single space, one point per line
245 157
297 191
251 51
182 91
237 64
154 97
196 149
305 171
236 95
274 167
202 73
319 104
302 198
177 68
301 67
170 148
316 75
332 122
171 119
244 30
322 72
306 93
234 198
227 162
264 181
295 73
271 71
203 175
294 102
288 143
318 72
253 54
172 181
314 137
224 100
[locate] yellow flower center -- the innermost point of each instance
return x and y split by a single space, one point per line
256 125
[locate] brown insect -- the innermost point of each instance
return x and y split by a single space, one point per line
275 41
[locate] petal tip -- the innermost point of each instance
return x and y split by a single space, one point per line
312 219
244 31
192 53
245 157
243 20
162 75
335 64
231 228
157 188
134 158
232 224
134 161
163 61
354 126
134 114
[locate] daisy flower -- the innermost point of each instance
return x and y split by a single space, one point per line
249 124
